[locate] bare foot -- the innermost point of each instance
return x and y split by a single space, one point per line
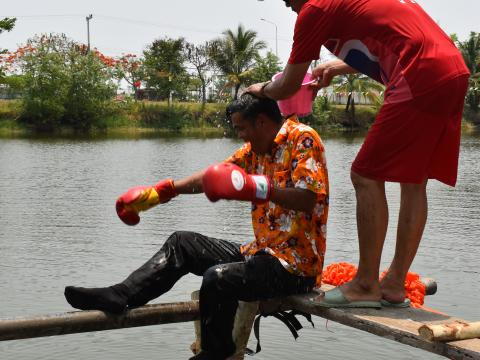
393 289
357 290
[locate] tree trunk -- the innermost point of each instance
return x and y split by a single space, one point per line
204 92
353 112
237 88
348 102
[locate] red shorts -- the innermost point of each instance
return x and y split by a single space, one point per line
416 140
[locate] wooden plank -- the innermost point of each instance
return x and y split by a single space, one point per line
86 321
400 325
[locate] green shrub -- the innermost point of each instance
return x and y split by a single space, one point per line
180 115
326 115
9 109
162 116
471 116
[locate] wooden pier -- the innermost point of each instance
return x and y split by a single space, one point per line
401 325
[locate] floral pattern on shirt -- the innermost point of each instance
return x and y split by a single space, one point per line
296 238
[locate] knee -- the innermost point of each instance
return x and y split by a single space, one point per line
361 183
414 189
213 277
178 237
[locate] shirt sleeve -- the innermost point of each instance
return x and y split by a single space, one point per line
241 157
311 32
309 168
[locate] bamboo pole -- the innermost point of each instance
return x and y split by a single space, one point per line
430 285
85 321
450 332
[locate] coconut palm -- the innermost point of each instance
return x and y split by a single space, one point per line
234 55
470 51
6 24
357 84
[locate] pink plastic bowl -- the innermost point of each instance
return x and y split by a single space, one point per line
300 103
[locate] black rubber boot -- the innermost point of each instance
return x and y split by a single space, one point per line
112 299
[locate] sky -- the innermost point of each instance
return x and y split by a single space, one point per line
120 27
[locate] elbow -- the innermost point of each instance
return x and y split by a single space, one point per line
309 203
309 207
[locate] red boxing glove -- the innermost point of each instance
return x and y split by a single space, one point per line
142 198
230 182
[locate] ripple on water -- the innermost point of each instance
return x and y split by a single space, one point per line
58 227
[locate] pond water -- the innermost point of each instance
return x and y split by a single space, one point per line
58 227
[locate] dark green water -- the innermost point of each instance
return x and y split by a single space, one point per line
58 227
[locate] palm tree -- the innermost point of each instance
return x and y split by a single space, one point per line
234 55
360 84
470 51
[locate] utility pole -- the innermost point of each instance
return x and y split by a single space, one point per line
88 18
276 33
170 78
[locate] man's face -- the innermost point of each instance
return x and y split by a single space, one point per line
247 130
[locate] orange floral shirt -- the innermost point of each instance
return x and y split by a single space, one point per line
296 238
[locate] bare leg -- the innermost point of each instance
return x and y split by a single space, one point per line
372 222
411 223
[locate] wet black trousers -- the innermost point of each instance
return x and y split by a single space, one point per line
227 278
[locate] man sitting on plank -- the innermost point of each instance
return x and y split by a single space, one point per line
281 169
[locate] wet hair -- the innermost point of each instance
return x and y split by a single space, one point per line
250 106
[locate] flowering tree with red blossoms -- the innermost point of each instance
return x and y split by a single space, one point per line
130 68
64 83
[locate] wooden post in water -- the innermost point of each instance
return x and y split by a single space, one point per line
197 344
242 327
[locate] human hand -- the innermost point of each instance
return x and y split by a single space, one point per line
257 89
323 74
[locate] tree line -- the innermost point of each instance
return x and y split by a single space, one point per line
61 82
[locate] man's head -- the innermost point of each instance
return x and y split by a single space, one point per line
255 120
295 5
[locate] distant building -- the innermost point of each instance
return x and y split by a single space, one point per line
8 94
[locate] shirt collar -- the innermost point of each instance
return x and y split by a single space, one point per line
282 134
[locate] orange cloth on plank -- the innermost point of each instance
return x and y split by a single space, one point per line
296 238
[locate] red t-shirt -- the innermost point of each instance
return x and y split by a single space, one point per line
393 41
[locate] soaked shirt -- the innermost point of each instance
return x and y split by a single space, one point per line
393 41
296 238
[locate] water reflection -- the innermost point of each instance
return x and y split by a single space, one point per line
58 227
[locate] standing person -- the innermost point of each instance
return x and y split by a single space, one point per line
281 169
415 137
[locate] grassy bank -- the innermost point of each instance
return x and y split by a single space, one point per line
144 118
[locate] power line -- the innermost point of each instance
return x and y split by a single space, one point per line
133 21
147 23
44 15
